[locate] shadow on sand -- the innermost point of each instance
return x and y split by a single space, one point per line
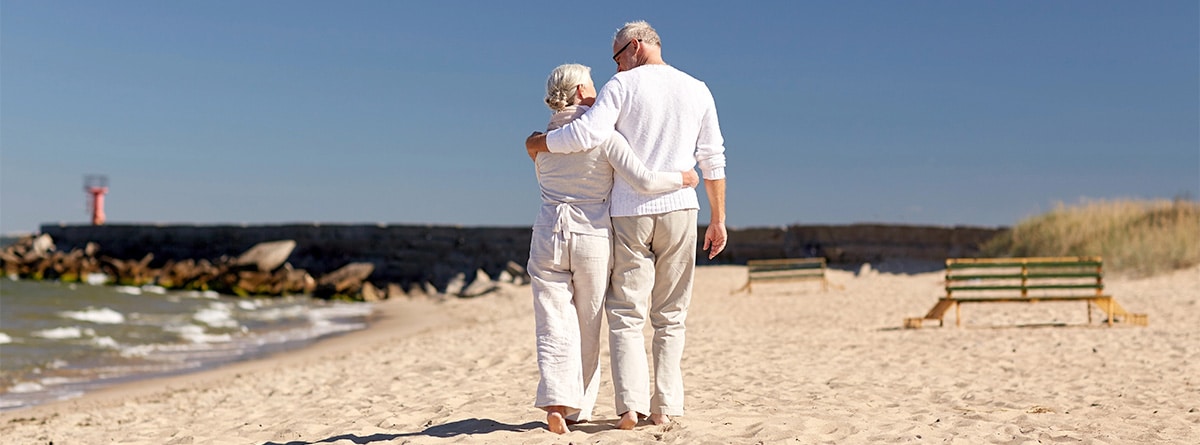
456 428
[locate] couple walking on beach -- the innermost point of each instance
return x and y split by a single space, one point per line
616 232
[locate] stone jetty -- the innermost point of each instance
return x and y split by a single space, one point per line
262 270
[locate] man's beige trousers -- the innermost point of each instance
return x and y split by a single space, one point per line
654 261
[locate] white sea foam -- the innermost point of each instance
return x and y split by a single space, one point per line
52 381
105 342
95 279
136 351
209 338
196 334
5 339
154 289
341 310
217 315
278 313
60 333
101 316
25 387
182 329
129 290
247 305
325 320
212 295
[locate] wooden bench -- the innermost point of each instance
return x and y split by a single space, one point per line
787 269
1026 280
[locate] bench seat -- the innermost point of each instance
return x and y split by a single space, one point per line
1025 280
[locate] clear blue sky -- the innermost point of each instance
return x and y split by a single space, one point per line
411 112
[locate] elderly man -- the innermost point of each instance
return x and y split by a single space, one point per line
670 120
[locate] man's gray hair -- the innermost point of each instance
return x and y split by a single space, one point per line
639 30
560 85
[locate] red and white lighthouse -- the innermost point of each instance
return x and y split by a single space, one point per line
96 186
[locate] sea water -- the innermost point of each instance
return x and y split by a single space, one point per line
58 341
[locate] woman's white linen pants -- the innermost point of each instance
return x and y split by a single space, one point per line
569 273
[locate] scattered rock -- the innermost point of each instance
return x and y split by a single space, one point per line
42 245
865 270
416 290
520 276
370 293
395 291
346 281
267 256
456 284
431 290
483 284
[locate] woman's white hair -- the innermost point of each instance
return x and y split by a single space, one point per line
639 30
560 86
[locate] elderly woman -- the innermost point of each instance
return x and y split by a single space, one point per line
570 255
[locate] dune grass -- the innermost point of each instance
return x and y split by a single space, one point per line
1137 238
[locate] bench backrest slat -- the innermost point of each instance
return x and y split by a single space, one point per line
786 269
1051 275
1020 276
788 262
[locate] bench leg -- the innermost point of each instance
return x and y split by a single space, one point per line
745 288
1110 312
1089 310
957 315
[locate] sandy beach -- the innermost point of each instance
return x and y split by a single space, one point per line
787 364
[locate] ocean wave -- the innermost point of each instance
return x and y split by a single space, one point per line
5 339
341 310
105 342
278 313
154 289
96 279
60 333
217 315
101 316
196 334
211 295
24 387
130 290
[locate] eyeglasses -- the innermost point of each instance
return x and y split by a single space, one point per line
618 54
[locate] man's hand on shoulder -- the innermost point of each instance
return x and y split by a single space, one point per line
535 143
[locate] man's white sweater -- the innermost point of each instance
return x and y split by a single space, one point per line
670 120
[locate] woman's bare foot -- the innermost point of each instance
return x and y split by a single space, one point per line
555 421
627 420
660 419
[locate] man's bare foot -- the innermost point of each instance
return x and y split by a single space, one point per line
557 423
627 421
660 419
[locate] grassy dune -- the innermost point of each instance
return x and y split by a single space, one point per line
1136 238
